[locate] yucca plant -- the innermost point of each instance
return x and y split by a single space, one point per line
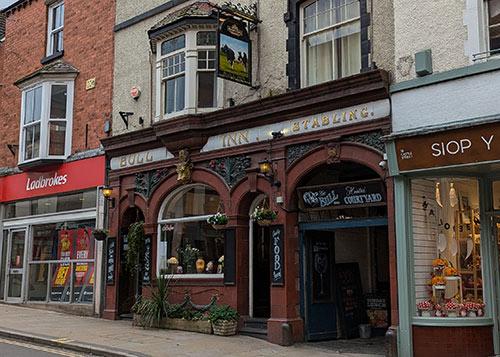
151 310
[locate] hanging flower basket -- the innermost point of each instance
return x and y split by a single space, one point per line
218 220
264 216
100 234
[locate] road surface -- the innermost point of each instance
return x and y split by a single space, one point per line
12 348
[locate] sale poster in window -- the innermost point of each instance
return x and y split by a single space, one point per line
84 272
60 282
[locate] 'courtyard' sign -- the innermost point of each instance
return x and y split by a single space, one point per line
336 196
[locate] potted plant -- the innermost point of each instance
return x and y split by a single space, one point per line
264 216
189 256
453 308
224 320
100 234
218 220
149 312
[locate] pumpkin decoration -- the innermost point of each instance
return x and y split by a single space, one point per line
450 271
200 265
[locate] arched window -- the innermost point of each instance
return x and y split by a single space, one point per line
187 244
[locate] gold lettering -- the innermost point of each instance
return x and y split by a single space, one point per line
335 119
243 137
344 117
364 113
325 120
353 115
123 161
305 123
140 159
295 126
131 160
315 123
149 156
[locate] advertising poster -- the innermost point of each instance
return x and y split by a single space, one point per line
234 51
60 283
84 272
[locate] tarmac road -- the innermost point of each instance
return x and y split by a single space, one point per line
12 348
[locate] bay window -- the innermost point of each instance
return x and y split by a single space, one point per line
187 81
331 41
46 117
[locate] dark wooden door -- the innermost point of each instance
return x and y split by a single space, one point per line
261 271
321 310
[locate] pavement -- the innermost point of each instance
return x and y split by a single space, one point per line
101 337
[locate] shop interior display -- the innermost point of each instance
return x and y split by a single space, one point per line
455 287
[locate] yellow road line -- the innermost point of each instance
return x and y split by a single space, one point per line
40 348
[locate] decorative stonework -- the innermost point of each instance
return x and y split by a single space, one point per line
232 169
147 182
184 167
333 152
373 139
295 152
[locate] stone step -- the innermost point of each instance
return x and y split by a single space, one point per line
254 332
258 323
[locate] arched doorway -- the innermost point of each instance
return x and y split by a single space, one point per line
127 285
344 251
259 254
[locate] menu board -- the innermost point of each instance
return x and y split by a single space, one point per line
110 261
350 297
277 256
146 274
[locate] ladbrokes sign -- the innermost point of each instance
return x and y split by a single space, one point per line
454 147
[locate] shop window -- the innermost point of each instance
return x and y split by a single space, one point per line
496 195
447 248
188 244
331 41
46 118
177 72
493 14
52 204
65 253
55 28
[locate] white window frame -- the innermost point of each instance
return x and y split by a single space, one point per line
191 76
51 31
486 21
45 120
303 36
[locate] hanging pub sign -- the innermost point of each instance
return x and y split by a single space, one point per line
337 196
234 50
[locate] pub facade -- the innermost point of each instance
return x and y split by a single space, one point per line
187 145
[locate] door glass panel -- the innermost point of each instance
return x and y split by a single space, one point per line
17 251
16 264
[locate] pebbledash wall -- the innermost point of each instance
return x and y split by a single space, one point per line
444 156
158 165
49 209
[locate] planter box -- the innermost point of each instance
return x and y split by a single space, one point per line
225 328
200 326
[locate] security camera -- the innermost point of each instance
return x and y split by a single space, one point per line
382 164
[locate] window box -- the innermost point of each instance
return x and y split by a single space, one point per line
200 326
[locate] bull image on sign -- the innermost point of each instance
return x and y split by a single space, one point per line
234 51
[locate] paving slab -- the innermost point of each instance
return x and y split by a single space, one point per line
120 338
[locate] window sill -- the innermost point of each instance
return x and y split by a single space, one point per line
52 57
34 164
452 321
195 276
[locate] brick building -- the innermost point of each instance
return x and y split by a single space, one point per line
55 90
187 144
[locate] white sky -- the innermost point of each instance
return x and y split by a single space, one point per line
5 3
